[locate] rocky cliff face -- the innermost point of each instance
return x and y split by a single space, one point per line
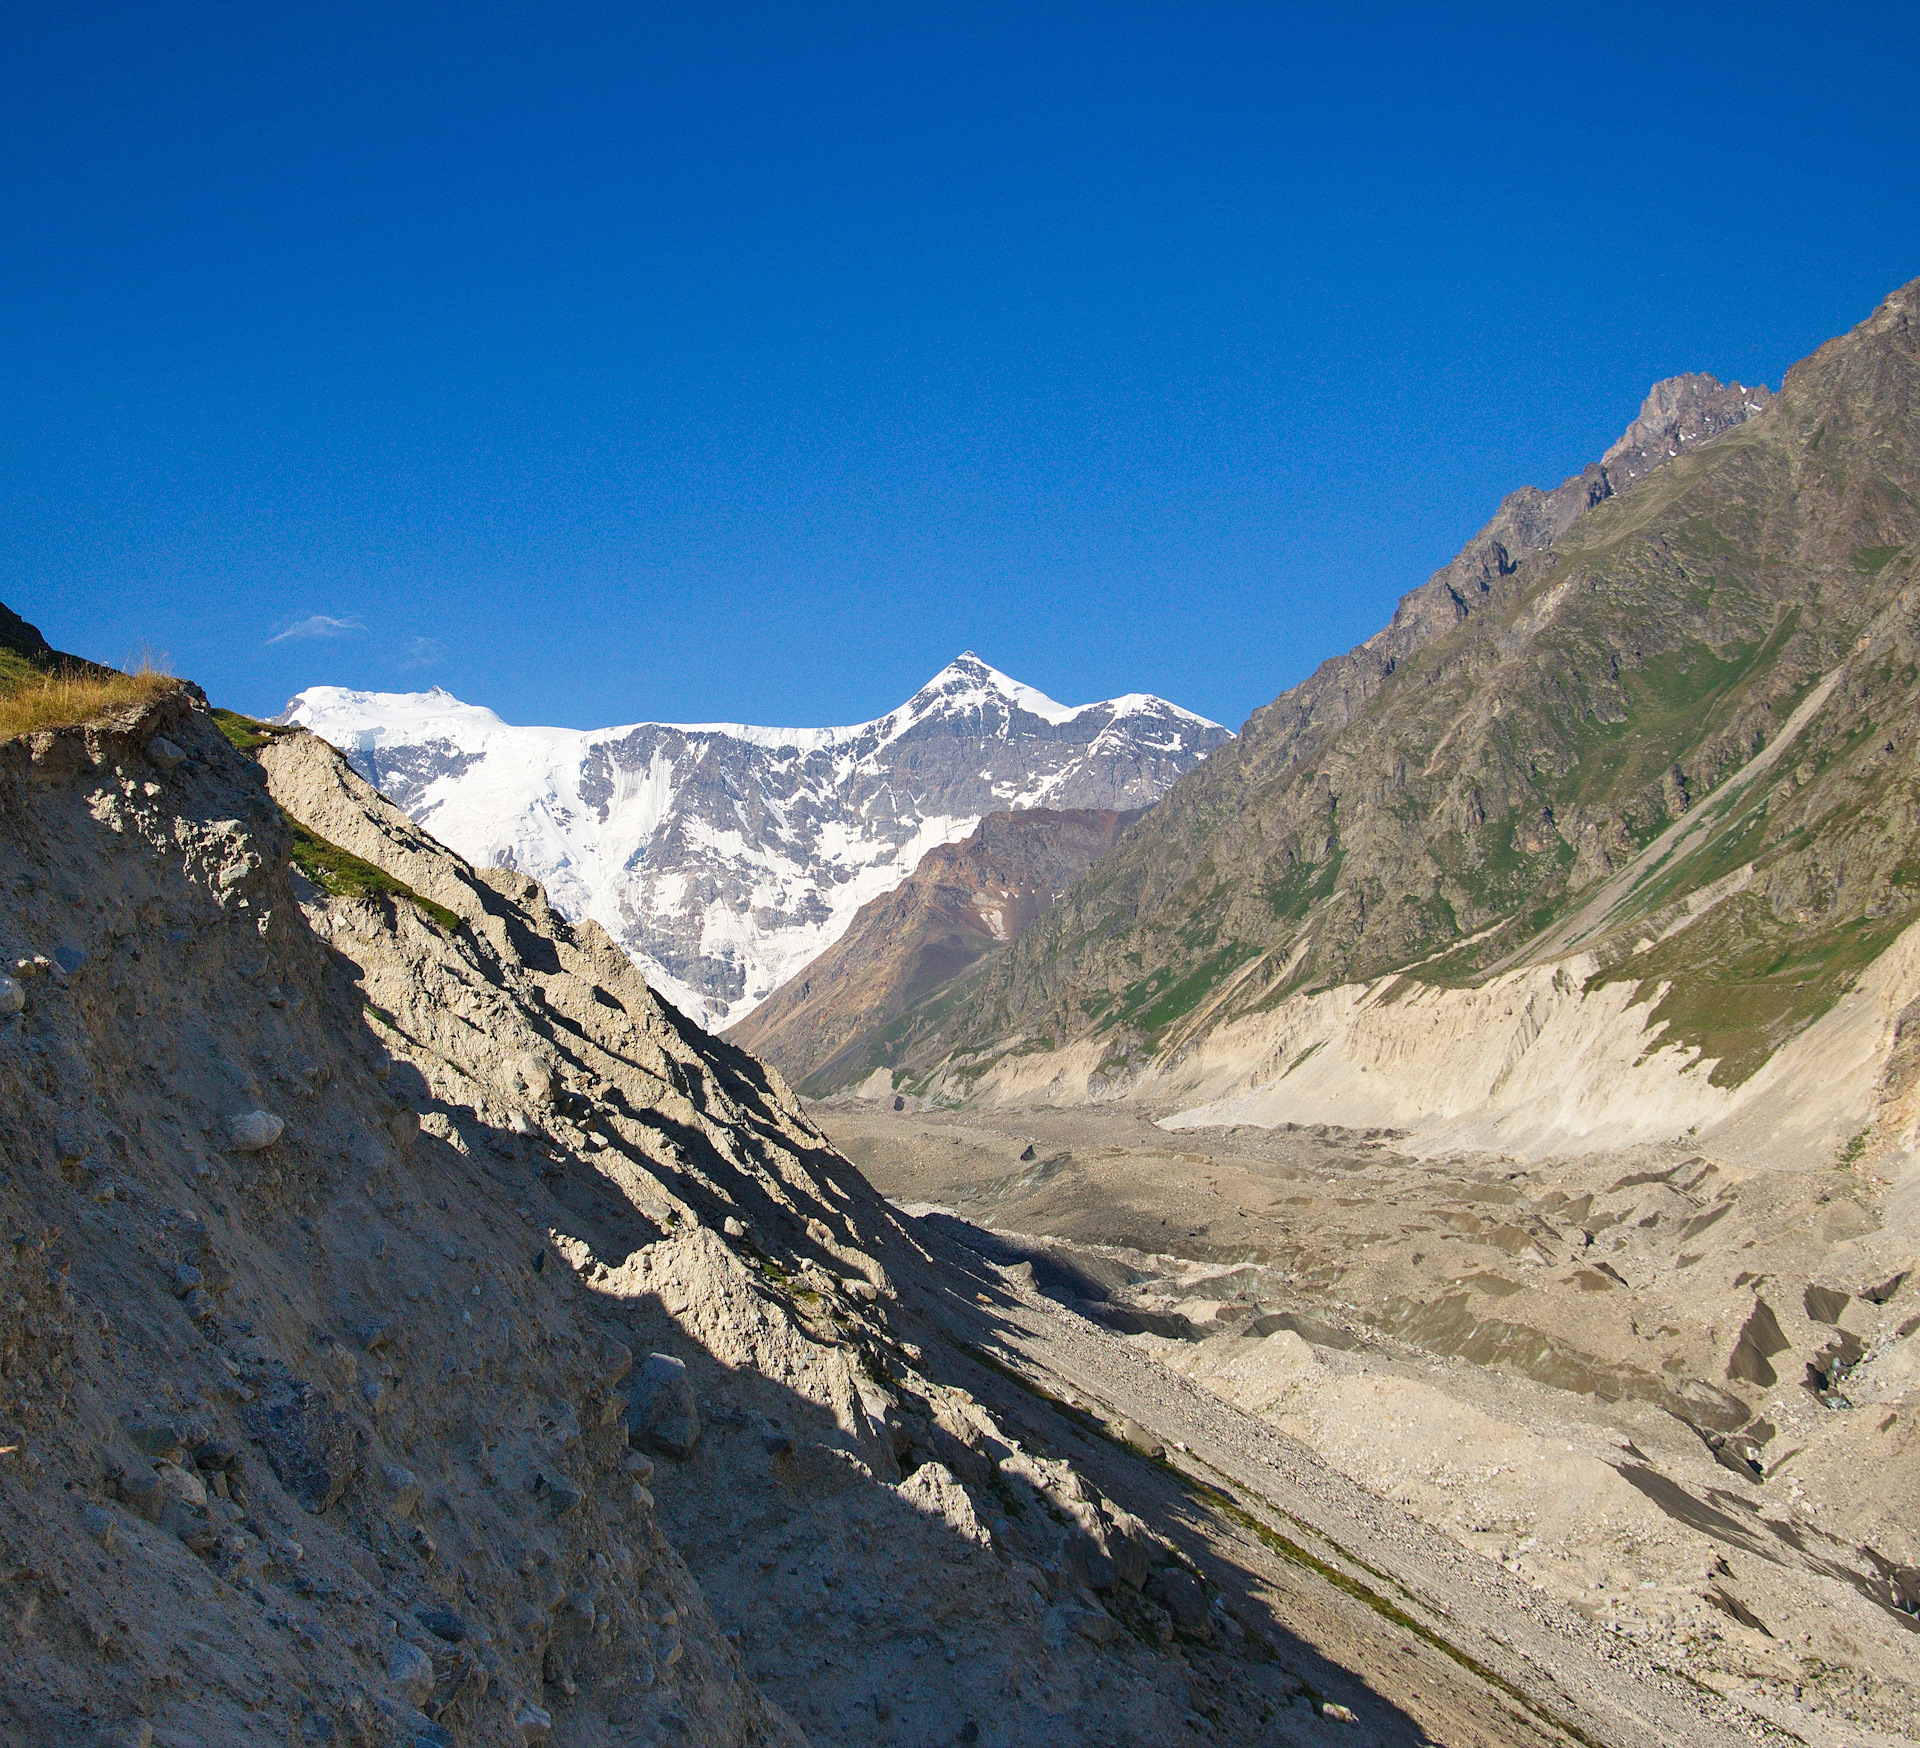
723 858
964 901
417 1334
1600 668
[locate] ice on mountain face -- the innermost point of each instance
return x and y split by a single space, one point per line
725 856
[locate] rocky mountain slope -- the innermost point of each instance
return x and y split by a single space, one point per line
420 1336
963 901
723 857
24 652
1651 735
396 1286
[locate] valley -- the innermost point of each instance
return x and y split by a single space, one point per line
1632 1381
1398 1227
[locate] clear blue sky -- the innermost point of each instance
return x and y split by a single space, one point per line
728 361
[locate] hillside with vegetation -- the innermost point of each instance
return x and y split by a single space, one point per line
1594 698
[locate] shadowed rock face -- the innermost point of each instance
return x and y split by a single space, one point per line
723 858
963 901
22 648
1596 668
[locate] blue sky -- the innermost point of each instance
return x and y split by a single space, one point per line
730 362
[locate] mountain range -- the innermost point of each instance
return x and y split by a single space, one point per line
1646 744
963 902
724 857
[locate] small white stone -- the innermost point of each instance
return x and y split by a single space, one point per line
253 1130
182 1484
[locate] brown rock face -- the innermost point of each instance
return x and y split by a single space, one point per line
1601 661
962 901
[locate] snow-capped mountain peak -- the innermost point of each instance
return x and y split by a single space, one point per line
724 856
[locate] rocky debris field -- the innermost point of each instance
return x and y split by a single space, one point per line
1671 1398
417 1334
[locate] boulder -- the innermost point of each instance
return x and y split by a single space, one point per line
1181 1595
199 1304
307 1442
532 1079
143 1495
12 997
1128 1546
1136 1437
410 1670
253 1130
934 1490
165 753
663 1414
154 1435
1068 1619
181 1484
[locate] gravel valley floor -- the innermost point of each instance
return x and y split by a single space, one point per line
1616 1448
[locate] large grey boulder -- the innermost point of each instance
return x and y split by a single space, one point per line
661 1410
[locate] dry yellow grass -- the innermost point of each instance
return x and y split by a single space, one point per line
69 696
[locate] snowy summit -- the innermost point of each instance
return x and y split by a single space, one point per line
724 856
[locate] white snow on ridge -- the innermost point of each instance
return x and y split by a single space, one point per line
725 856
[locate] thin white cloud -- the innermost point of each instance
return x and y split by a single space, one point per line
318 625
422 652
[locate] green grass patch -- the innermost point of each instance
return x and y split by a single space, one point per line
1158 1000
1673 701
1874 559
1741 983
1306 1054
247 733
1288 1549
1303 886
345 875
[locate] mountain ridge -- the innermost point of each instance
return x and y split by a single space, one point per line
723 857
1593 665
963 901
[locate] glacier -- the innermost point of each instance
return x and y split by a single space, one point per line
725 856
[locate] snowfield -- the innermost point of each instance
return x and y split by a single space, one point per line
725 856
